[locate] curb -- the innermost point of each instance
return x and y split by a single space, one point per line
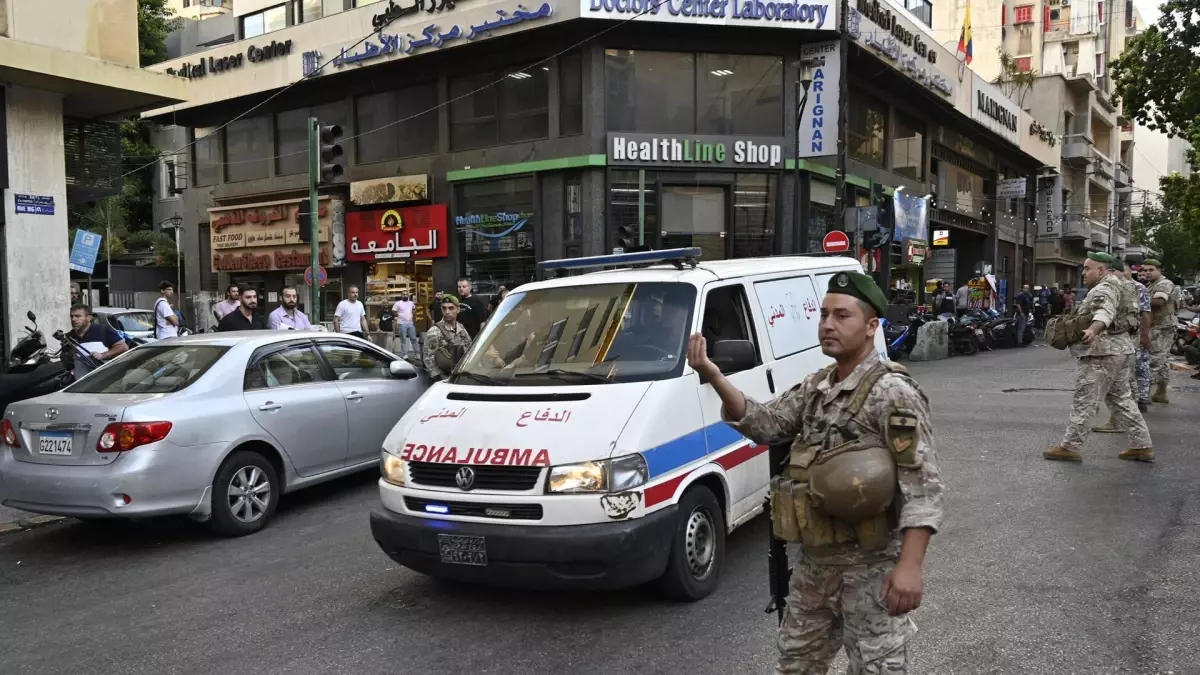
26 524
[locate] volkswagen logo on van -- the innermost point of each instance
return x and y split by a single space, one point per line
465 478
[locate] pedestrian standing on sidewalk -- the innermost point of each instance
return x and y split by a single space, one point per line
286 316
406 326
350 317
962 298
1164 303
446 343
473 310
862 566
1024 303
1102 375
166 322
233 297
245 317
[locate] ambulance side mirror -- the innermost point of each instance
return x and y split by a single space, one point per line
734 356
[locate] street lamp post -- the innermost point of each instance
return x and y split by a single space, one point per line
803 82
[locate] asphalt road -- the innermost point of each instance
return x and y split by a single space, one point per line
1042 568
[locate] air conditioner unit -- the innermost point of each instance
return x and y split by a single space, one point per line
1065 3
1055 14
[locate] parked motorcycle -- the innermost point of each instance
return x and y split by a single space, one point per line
1185 332
33 370
901 339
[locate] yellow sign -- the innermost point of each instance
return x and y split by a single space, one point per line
391 221
388 190
228 240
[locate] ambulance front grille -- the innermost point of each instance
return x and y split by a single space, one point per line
508 478
478 510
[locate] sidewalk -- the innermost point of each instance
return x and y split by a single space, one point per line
14 520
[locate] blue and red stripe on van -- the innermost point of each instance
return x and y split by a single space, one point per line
734 448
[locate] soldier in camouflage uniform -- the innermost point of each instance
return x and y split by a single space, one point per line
1139 373
855 584
444 336
1164 302
1105 357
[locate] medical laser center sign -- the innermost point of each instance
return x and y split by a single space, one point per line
818 15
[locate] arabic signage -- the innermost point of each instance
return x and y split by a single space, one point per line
1011 188
389 190
34 204
818 132
906 47
814 15
433 36
266 236
224 64
991 108
690 151
915 251
1045 133
398 234
394 12
793 310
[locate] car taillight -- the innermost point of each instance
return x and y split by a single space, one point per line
10 434
125 436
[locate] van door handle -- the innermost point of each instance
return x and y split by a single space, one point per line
270 406
770 381
354 396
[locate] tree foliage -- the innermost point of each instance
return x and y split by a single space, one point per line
1012 80
1164 227
1158 80
155 21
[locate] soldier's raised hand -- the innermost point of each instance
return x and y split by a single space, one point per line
697 357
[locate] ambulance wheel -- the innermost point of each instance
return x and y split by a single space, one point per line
697 548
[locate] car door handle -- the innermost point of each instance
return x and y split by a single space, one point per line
270 406
770 381
354 396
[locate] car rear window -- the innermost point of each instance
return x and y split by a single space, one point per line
133 322
151 370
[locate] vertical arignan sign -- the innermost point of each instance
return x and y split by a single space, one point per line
817 134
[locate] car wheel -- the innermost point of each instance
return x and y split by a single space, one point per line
697 548
245 494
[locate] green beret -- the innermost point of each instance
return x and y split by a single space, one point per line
1118 265
1152 262
449 298
860 286
1101 257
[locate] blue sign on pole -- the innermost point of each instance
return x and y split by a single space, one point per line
35 204
84 251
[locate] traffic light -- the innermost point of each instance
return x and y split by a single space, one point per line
331 153
305 225
886 219
626 238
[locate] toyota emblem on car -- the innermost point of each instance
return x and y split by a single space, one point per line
51 413
465 478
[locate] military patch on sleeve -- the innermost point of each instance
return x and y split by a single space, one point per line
902 436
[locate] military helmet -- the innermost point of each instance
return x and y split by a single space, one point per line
856 485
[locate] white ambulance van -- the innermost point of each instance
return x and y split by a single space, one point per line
573 447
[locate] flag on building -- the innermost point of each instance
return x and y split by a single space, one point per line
965 44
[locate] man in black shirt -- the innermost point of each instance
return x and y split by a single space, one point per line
244 317
473 310
101 341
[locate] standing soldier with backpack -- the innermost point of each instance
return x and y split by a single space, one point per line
1105 353
1133 293
1164 302
446 342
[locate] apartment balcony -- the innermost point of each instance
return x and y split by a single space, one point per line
1105 102
1100 234
1076 226
1102 166
1077 150
1121 178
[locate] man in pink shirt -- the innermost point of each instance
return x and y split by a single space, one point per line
406 329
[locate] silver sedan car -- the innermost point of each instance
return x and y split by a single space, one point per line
214 426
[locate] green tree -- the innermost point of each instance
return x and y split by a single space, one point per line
1162 228
155 21
1012 80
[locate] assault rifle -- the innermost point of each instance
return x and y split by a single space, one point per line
779 573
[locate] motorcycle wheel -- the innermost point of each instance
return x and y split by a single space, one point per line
1177 347
966 347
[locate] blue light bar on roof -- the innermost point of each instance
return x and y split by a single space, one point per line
640 257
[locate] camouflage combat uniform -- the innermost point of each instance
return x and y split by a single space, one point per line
436 338
1141 355
1162 329
835 598
1103 372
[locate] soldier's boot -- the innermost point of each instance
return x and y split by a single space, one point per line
1138 454
1061 454
1109 427
1143 406
1160 394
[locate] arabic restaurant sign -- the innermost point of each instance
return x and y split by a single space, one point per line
265 236
433 36
389 190
877 26
398 234
666 150
812 15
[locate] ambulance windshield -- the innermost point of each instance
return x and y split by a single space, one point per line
587 334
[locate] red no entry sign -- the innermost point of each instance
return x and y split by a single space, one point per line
835 242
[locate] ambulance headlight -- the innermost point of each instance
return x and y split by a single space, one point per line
392 468
616 475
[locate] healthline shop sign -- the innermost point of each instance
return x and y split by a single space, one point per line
815 15
683 151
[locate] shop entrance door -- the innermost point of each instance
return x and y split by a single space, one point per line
696 216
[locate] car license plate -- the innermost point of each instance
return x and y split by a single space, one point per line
55 442
460 549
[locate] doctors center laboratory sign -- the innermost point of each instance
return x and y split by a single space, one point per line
816 15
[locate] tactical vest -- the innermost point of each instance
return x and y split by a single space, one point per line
832 498
1169 308
1126 319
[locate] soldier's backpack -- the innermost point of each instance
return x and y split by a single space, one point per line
1066 329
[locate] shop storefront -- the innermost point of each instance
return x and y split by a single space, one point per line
912 233
717 193
259 246
496 228
399 247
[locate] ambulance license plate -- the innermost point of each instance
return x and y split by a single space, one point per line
461 549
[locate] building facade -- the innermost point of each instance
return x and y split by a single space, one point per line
517 134
64 75
199 10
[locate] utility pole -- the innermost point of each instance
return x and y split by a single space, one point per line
839 204
313 222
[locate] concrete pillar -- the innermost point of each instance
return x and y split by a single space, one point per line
36 249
